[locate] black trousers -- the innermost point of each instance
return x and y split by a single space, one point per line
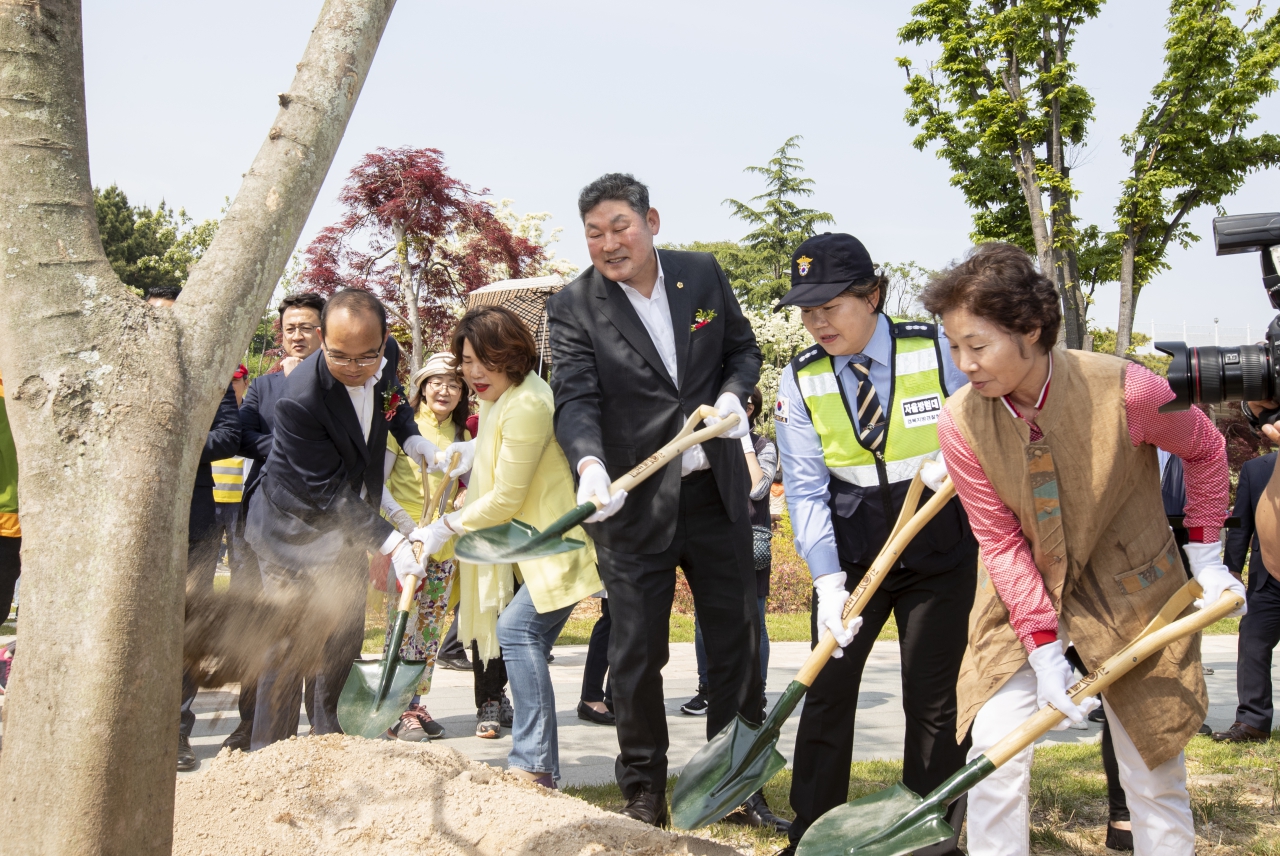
280 691
716 557
1259 635
594 686
932 613
202 563
490 678
450 648
10 570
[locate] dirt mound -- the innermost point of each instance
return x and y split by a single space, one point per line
345 795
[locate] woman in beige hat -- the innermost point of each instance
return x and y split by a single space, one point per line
440 403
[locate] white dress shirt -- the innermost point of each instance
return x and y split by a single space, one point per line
655 314
362 400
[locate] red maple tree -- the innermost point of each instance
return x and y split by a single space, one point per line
419 239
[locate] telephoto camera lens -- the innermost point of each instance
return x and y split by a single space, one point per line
1212 375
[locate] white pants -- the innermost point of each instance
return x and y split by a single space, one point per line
999 822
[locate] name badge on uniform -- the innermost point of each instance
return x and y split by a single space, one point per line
921 410
781 411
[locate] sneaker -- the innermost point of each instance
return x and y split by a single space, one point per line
696 706
488 724
416 725
186 757
506 713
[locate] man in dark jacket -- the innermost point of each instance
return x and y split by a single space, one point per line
313 515
203 536
1260 627
640 340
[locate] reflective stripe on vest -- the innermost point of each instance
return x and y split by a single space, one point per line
915 402
228 480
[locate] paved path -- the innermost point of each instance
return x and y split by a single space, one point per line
587 751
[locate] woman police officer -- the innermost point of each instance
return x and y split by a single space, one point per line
856 417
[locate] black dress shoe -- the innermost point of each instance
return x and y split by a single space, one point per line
186 758
238 740
1119 839
457 664
1241 733
648 808
590 714
789 850
756 812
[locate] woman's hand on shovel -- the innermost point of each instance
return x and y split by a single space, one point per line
1054 676
403 561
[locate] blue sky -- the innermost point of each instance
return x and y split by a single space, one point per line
534 100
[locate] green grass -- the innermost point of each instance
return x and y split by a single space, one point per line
1225 627
1235 788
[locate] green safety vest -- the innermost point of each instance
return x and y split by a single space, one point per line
916 396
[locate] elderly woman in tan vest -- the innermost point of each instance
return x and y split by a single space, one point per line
1053 453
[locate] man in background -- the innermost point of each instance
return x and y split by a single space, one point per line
10 530
203 538
1260 627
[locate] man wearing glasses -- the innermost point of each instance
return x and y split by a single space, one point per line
313 514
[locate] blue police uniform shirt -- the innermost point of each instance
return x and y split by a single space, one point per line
804 472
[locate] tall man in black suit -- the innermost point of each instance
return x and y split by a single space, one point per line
1260 627
203 536
313 515
640 340
300 337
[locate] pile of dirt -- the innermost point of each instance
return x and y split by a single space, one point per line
346 795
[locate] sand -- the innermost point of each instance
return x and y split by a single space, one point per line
356 797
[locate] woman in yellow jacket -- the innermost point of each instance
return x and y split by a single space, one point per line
439 400
519 472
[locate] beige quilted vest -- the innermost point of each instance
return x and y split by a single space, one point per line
1089 503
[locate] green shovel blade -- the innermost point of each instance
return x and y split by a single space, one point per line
733 765
519 542
361 712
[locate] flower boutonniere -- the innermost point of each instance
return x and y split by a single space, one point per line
392 397
702 318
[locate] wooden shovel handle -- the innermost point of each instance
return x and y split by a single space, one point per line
1157 635
410 586
875 575
682 441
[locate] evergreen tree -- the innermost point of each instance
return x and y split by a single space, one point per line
149 249
780 224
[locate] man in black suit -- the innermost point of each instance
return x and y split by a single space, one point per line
300 337
1260 627
203 535
313 515
639 341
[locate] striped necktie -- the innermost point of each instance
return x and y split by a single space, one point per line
870 416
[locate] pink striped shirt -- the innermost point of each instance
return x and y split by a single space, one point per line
1005 551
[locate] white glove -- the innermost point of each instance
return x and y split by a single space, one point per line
423 451
403 521
594 484
433 536
728 404
467 456
831 599
403 562
1213 576
933 473
1054 675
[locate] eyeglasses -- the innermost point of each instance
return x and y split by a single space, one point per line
451 385
347 362
300 330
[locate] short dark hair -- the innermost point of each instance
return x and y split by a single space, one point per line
355 301
500 340
868 287
999 282
302 300
164 292
757 402
622 186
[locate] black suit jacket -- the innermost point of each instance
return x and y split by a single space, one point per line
616 401
306 508
257 419
223 441
1254 477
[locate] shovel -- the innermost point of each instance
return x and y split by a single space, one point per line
740 759
377 692
520 542
896 821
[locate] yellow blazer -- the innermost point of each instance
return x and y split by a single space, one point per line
520 473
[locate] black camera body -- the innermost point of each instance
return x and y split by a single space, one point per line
1211 375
